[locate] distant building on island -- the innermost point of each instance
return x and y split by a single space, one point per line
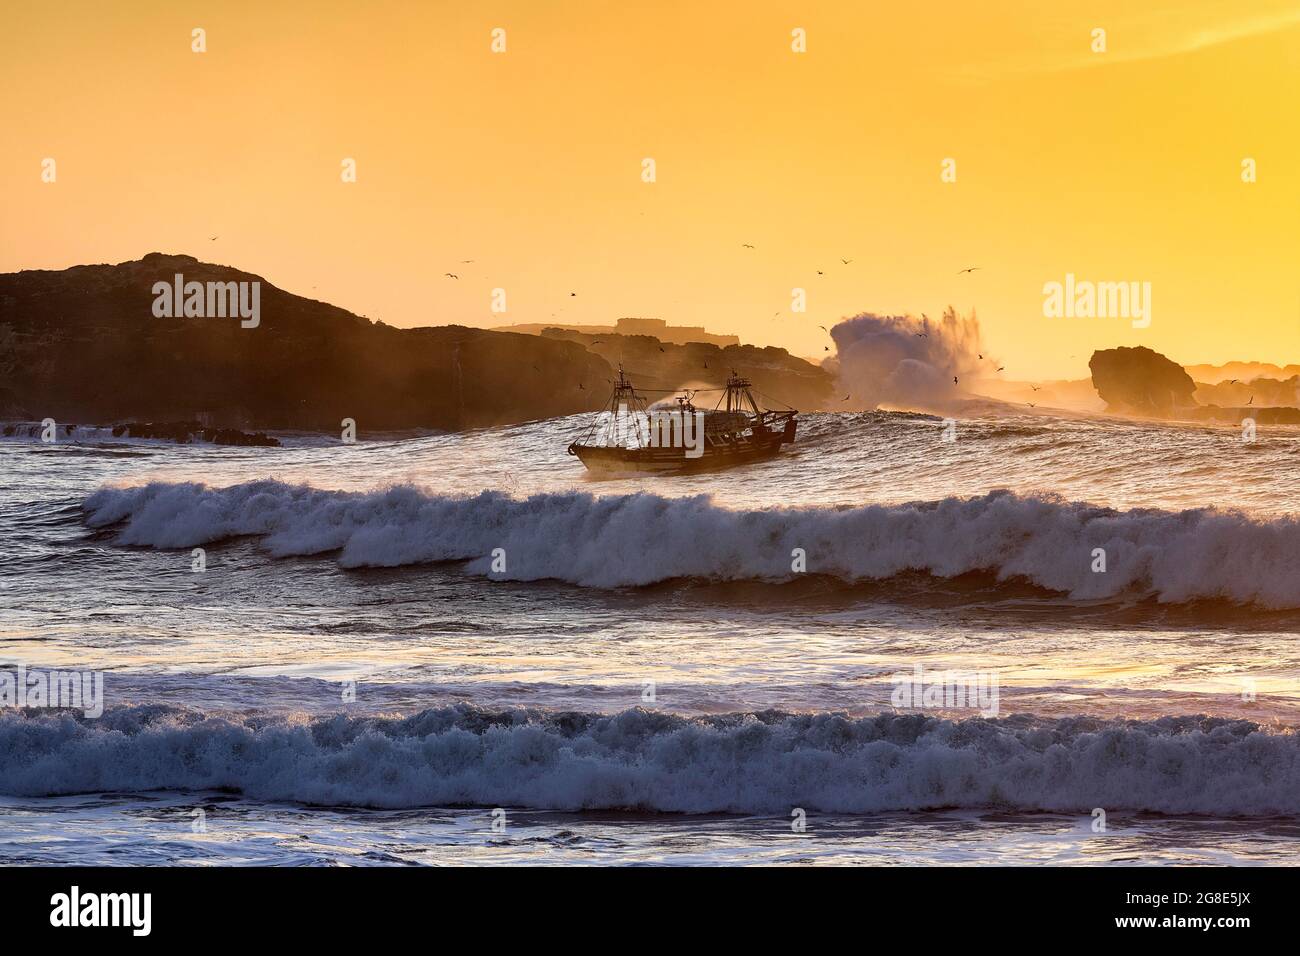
659 328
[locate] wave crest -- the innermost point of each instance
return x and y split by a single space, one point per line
641 539
743 763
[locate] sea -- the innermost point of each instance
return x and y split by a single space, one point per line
1002 639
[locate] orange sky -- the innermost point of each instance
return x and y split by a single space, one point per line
1117 166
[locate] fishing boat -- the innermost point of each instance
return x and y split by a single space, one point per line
632 435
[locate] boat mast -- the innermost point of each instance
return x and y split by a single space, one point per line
625 399
738 395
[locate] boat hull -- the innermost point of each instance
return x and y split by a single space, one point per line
612 460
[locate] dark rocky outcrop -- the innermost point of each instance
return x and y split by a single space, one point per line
185 432
83 344
1265 415
1138 381
1256 392
182 433
652 364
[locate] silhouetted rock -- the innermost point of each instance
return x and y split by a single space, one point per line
655 365
1138 381
1256 392
185 432
182 433
83 344
1266 415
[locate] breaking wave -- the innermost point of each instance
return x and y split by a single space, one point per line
741 763
640 539
905 361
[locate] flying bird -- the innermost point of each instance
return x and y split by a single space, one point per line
580 385
954 379
450 276
826 348
1033 388
1031 404
1252 400
846 398
466 262
824 329
747 245
846 261
922 335
971 269
1002 368
213 238
572 294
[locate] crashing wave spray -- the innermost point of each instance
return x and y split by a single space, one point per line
901 361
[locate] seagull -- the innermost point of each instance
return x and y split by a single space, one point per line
1252 400
1233 382
846 261
580 385
661 348
450 276
572 294
826 348
1033 388
824 329
213 238
820 273
1002 368
954 379
598 342
846 398
466 262
747 245
922 335
981 355
971 269
1031 404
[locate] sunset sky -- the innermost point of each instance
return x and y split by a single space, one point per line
1115 166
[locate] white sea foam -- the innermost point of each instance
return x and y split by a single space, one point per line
744 763
640 539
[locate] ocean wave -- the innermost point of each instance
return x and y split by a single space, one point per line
767 762
640 539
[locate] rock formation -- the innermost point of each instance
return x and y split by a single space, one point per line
1138 381
83 344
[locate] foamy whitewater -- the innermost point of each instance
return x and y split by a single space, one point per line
461 648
